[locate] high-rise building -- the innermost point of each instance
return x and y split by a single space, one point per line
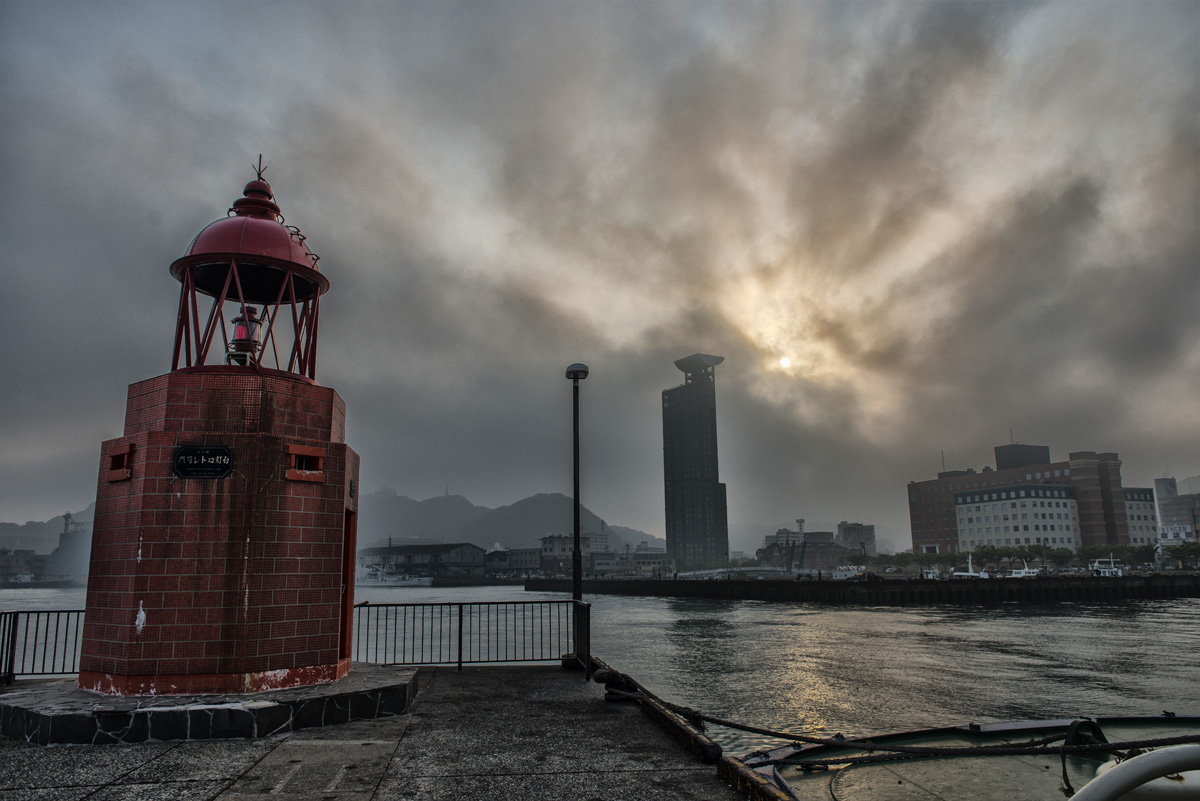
1099 499
697 520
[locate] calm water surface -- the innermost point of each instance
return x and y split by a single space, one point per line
817 669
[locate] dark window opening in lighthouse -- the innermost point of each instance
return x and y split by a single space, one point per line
302 462
306 463
120 463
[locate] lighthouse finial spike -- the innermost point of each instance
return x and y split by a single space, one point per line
260 169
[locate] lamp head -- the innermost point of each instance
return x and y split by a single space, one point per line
577 371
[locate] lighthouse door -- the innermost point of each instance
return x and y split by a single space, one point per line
348 556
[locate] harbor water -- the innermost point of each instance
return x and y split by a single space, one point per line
814 669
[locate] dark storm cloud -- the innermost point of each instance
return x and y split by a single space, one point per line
880 173
957 217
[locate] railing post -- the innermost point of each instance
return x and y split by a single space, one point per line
10 646
583 637
460 635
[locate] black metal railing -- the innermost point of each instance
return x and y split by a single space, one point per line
472 633
42 643
47 643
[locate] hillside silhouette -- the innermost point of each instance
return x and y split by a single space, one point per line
453 518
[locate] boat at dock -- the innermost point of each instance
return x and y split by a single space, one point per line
1025 572
1081 758
970 572
1107 568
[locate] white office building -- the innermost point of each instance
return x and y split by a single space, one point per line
1017 514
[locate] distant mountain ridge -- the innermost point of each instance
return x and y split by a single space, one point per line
453 518
40 537
384 514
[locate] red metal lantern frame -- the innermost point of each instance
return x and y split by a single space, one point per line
193 345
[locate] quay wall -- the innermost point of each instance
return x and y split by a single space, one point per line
896 592
474 581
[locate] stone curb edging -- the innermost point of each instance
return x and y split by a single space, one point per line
694 740
59 713
745 781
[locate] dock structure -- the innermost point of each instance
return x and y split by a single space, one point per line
898 592
504 732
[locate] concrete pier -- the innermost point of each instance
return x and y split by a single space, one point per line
897 592
527 733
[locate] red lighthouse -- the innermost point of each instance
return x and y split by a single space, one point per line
224 537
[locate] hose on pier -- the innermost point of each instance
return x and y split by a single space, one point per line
622 690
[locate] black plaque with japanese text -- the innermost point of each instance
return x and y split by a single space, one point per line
202 461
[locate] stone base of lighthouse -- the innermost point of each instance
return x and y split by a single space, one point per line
224 538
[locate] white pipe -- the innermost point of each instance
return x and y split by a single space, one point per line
1135 772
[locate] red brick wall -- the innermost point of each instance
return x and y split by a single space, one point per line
236 577
1101 499
238 401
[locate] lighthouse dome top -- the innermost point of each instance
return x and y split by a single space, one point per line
255 235
254 226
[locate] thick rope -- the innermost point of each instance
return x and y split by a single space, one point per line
894 752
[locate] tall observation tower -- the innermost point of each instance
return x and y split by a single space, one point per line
697 521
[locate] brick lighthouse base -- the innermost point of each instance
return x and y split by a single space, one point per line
207 684
224 538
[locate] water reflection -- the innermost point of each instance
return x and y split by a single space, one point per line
805 668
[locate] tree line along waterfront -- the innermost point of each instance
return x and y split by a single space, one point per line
998 559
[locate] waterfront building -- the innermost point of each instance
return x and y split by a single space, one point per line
69 562
697 523
20 566
599 539
1175 509
602 563
783 537
436 559
1177 535
1143 518
494 561
1178 515
812 550
1017 514
649 561
558 549
817 551
223 541
856 537
525 560
1095 477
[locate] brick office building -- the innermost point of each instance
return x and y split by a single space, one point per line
224 536
1095 478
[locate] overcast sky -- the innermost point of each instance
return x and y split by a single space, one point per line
957 220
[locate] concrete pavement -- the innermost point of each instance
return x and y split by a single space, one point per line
527 733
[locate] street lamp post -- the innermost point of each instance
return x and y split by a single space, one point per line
576 372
